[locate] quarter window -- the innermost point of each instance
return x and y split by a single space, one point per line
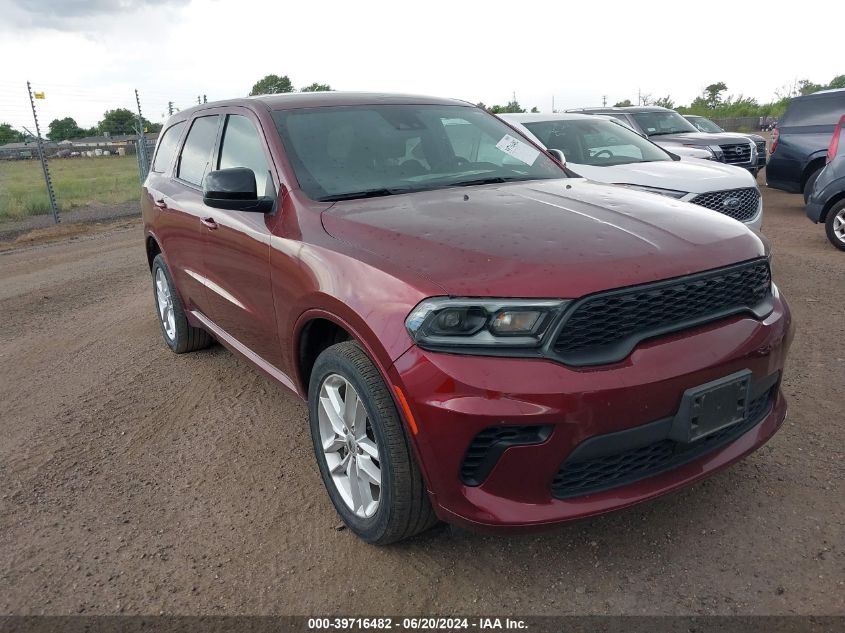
167 147
243 147
196 153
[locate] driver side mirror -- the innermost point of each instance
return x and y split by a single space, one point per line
234 189
558 156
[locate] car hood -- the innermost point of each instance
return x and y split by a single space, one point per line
700 138
691 174
557 238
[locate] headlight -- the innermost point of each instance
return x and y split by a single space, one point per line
445 322
663 192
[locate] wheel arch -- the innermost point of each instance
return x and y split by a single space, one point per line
834 200
816 161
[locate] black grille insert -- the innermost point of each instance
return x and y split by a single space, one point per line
575 479
739 204
605 327
486 448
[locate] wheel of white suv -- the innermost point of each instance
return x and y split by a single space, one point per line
364 456
179 335
835 225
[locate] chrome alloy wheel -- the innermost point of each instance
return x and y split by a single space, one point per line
839 225
349 446
164 300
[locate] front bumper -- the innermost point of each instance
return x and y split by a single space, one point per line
454 397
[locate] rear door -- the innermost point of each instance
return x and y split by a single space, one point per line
237 243
177 224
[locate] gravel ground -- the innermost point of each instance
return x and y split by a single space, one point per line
137 481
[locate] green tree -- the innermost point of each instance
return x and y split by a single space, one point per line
63 129
807 87
665 102
119 121
511 107
712 94
271 85
623 104
535 110
315 87
837 82
8 134
481 105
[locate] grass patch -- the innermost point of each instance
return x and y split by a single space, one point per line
77 182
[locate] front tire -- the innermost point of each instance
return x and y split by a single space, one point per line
179 335
365 458
834 225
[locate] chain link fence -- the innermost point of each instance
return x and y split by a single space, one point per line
93 159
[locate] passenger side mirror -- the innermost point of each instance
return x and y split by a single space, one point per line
558 156
234 189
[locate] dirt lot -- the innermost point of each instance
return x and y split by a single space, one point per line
137 481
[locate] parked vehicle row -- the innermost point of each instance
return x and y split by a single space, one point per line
800 141
604 151
482 336
668 128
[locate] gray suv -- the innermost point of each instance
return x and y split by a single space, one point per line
666 127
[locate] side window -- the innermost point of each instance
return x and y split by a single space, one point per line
167 147
243 147
196 153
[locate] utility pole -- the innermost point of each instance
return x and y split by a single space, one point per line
143 162
639 97
169 108
604 101
553 104
41 155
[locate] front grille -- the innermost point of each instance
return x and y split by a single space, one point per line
611 471
739 204
605 327
736 153
486 448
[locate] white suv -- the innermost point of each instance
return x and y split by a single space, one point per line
603 150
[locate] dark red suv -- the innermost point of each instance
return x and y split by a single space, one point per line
480 337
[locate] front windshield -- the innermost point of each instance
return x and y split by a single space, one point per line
348 152
658 123
596 142
706 125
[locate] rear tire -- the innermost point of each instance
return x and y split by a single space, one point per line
354 443
808 185
179 335
834 225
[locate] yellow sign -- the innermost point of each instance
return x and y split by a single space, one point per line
39 95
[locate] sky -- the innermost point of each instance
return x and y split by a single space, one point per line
90 55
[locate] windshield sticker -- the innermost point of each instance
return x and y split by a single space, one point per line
519 150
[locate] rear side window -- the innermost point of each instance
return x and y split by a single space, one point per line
243 147
167 147
824 110
196 153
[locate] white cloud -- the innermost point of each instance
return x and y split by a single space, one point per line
90 55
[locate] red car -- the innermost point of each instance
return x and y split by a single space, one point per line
481 337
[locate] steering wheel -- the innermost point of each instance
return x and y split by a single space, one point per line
603 151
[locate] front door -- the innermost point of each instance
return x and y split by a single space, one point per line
237 245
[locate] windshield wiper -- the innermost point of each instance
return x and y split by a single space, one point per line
367 193
672 132
490 180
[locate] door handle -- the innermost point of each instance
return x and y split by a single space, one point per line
161 204
209 223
